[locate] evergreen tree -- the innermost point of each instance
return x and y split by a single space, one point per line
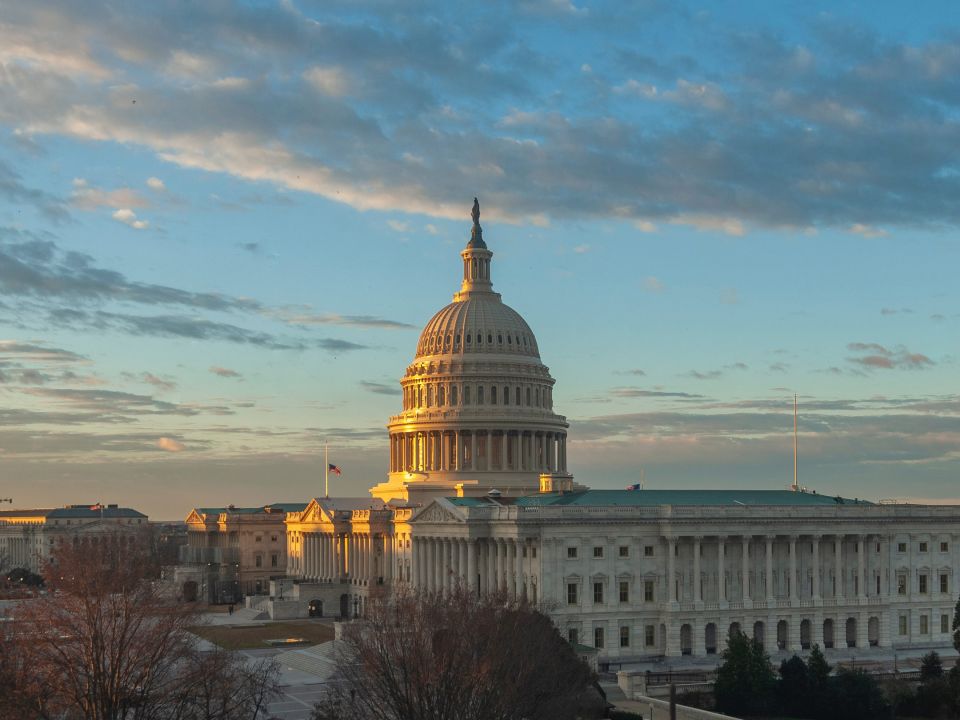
794 689
956 627
931 667
745 681
854 695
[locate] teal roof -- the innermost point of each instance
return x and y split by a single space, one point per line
281 507
640 498
93 512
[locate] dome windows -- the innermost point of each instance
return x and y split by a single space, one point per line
490 338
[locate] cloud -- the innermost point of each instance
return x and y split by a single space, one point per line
158 382
632 392
169 444
129 217
848 135
155 183
875 356
224 372
398 226
653 284
707 375
729 296
380 388
15 192
866 231
894 311
38 352
581 249
632 371
88 197
302 316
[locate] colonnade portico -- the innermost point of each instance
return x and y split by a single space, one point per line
355 557
481 565
479 450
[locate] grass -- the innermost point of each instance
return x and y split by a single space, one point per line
248 638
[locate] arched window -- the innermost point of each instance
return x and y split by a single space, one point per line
419 395
500 339
528 397
453 394
479 394
429 395
441 395
506 396
490 338
493 394
466 394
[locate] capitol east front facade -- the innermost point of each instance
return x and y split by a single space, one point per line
478 492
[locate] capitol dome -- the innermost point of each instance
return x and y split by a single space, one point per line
477 325
477 400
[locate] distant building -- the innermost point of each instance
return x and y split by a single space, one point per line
478 493
28 537
232 551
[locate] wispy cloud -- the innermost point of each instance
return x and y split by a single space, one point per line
876 356
224 372
380 388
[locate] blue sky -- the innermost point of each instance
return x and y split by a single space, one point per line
222 226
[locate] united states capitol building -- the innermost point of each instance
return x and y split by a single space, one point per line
478 492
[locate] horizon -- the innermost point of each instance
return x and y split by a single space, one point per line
223 228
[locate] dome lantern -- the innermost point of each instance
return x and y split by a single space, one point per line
476 261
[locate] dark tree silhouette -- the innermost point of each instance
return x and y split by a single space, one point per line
457 657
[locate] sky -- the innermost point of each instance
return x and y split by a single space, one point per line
223 224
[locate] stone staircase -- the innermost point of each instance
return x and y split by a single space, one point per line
318 660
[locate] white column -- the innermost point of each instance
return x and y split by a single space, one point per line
672 569
862 570
462 563
769 573
489 451
745 569
794 591
721 574
816 569
498 565
838 558
473 450
472 566
518 546
697 590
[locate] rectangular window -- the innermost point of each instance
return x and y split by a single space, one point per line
649 635
944 583
598 637
624 591
902 625
624 551
273 560
598 592
901 584
258 539
624 637
923 584
571 553
923 547
901 547
572 594
924 625
598 551
273 538
573 636
648 550
944 547
259 561
944 624
648 590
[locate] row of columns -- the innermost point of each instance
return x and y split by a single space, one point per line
362 558
486 565
861 584
446 450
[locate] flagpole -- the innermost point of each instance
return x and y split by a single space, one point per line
796 487
326 471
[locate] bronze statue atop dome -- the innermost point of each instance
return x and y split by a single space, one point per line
476 235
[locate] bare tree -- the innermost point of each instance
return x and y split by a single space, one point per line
111 643
458 657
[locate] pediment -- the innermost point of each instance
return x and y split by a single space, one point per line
316 513
194 517
439 511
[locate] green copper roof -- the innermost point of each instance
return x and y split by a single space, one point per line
637 498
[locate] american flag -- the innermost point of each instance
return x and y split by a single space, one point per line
334 469
635 486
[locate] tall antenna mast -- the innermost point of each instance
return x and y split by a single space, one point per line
796 486
326 471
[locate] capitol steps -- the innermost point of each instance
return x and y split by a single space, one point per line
250 614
